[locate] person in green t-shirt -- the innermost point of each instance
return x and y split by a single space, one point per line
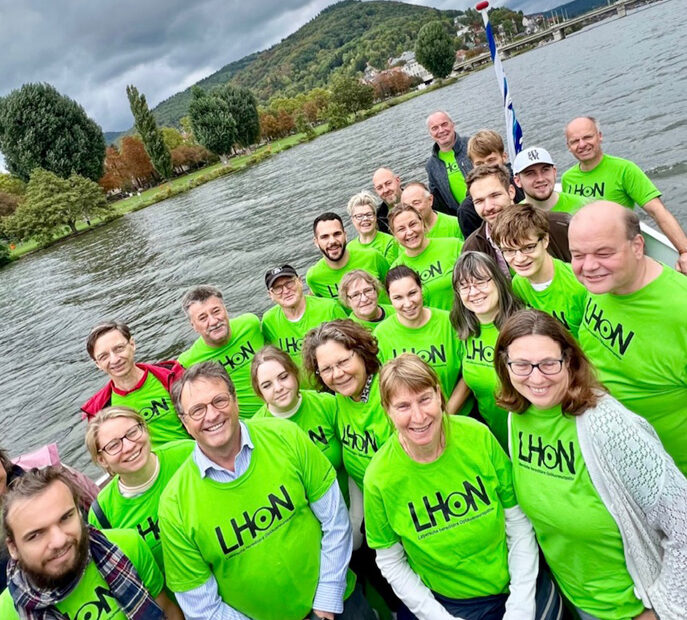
144 387
483 302
427 332
598 176
362 208
441 512
118 441
253 524
286 323
535 172
61 567
359 291
541 281
607 502
433 259
232 343
437 224
633 329
337 260
387 185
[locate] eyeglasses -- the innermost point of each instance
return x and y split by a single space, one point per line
221 402
525 250
114 446
368 292
117 350
343 364
480 285
289 284
361 217
525 369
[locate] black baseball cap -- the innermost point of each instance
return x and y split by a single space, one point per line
278 272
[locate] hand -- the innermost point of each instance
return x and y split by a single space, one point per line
316 613
647 614
681 264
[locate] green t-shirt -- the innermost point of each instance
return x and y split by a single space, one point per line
435 342
388 310
579 537
456 180
564 298
445 226
435 266
236 357
384 243
153 402
140 513
257 534
363 429
480 377
615 179
323 281
569 203
448 514
92 597
638 343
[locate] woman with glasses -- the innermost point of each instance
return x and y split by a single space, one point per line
433 259
607 502
363 211
427 332
541 281
359 291
483 302
118 441
442 514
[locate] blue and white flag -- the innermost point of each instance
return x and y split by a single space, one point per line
513 129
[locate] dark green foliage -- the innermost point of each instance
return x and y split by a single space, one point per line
337 116
244 110
4 254
346 35
152 137
41 128
212 123
351 94
434 49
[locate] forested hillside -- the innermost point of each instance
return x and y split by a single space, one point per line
343 37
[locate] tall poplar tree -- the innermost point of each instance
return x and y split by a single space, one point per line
150 133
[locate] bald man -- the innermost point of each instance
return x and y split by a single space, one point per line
601 176
634 329
387 186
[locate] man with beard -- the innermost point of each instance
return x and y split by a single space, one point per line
337 260
387 186
63 568
233 343
535 173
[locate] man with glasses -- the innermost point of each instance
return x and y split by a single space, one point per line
361 208
286 323
337 259
387 186
541 281
143 387
634 329
231 342
437 224
535 173
277 540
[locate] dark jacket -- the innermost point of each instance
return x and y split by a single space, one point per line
558 238
438 177
383 218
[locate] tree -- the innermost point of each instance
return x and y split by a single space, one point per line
172 138
434 49
146 126
187 130
12 185
8 204
4 254
136 161
350 94
244 110
39 127
212 123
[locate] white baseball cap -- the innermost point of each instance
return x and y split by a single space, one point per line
528 157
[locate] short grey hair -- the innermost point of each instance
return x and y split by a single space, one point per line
213 371
593 119
199 294
362 199
448 116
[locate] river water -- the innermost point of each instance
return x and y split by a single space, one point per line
631 73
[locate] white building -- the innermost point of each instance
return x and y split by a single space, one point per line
411 67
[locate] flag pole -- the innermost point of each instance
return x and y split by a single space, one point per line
513 129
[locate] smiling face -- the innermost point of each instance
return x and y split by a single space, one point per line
584 140
287 291
330 239
278 387
409 231
114 354
406 298
537 181
363 299
530 256
417 415
442 130
210 321
481 296
387 186
416 196
341 369
490 197
364 219
134 453
543 391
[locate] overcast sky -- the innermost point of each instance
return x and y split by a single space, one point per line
91 49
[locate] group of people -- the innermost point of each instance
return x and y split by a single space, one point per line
478 412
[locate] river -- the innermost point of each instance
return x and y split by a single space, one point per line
631 73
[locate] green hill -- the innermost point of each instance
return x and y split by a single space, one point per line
343 37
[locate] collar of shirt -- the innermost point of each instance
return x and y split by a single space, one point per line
208 468
500 260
